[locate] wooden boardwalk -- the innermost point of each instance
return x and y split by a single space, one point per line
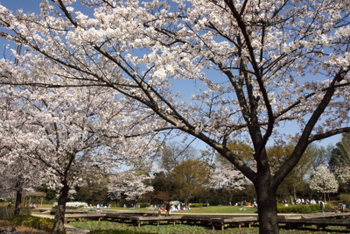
139 220
235 221
320 220
215 221
80 217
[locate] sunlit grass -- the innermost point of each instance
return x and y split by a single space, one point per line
189 229
210 209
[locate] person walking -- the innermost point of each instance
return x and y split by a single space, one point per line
322 206
167 208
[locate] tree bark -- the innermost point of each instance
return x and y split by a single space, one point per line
267 206
61 209
19 196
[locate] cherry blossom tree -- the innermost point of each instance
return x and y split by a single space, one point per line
228 179
17 175
73 132
256 68
129 184
323 181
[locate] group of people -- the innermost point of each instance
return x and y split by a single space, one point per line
168 208
300 201
243 204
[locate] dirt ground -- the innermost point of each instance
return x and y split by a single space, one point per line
6 225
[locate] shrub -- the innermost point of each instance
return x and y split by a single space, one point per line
300 209
196 205
345 198
144 204
32 222
114 231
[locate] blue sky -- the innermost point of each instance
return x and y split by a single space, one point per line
34 6
26 5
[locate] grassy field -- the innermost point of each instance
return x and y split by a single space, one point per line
207 210
191 229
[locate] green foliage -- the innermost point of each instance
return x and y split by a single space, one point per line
50 193
144 204
190 177
32 222
196 205
301 209
114 231
294 182
345 198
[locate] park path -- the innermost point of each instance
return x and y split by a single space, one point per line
69 228
75 230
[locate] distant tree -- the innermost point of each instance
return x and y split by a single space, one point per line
190 178
240 148
295 181
164 185
344 148
340 163
92 189
163 196
173 153
227 181
50 193
341 153
129 185
323 181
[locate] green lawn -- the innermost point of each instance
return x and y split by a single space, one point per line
222 209
210 209
192 229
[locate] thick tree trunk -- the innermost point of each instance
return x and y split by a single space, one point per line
61 209
19 196
267 207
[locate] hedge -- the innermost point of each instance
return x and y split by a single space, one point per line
301 209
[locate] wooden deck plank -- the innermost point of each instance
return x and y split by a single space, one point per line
79 217
239 221
320 223
139 220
